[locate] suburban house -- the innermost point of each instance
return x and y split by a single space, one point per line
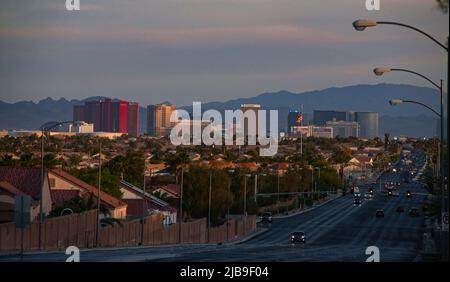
359 162
64 186
279 168
15 181
139 202
158 169
252 166
170 190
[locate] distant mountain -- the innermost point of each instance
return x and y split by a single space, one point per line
407 119
400 120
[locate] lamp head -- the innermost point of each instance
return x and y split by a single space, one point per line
395 102
381 71
361 25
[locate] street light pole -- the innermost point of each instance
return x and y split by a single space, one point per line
209 205
42 191
312 183
278 188
181 202
44 128
97 239
360 25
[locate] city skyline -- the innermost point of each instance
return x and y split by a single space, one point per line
205 50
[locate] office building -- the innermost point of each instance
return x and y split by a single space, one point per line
78 113
109 116
106 108
158 119
322 132
133 119
76 127
321 117
311 131
368 123
92 114
344 129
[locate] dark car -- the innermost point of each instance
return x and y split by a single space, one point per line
298 237
397 184
379 213
357 201
414 212
400 209
408 194
266 217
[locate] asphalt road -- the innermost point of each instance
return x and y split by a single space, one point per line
335 231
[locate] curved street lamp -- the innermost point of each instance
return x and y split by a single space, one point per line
382 70
46 127
396 102
361 25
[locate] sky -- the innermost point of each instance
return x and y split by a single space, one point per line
152 51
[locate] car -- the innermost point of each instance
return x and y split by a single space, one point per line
408 194
379 213
266 217
414 212
395 194
400 209
357 202
371 191
390 192
367 195
298 237
397 184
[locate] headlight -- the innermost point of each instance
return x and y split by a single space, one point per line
292 237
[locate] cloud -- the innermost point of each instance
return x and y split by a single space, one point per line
266 34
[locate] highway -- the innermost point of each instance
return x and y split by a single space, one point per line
335 231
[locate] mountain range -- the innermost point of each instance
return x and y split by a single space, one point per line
407 119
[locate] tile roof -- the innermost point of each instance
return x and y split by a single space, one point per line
25 179
172 188
138 191
134 207
59 196
105 197
10 188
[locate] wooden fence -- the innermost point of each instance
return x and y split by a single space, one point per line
80 230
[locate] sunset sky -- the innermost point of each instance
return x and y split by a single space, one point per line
208 50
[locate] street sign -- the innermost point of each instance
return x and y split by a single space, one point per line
445 221
22 204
